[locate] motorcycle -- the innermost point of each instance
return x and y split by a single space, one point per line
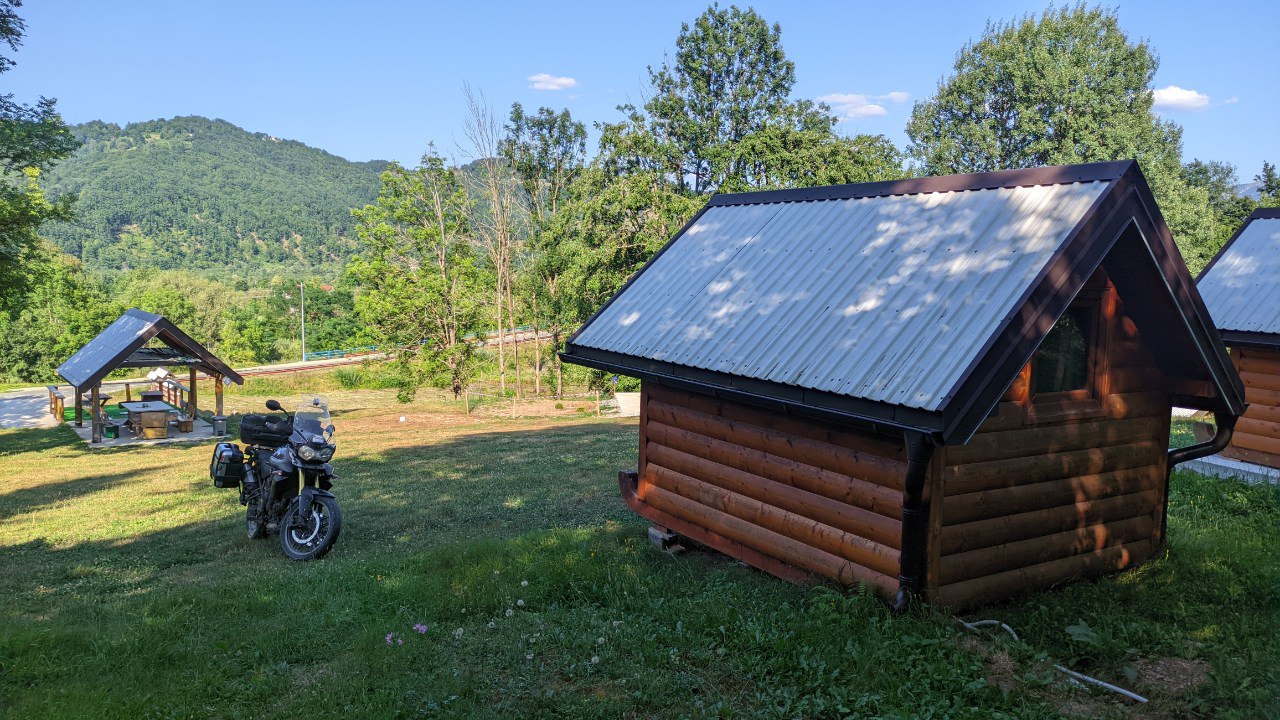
284 477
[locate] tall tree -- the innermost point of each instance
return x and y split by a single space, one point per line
721 118
499 221
32 139
1218 180
1067 87
418 273
1268 185
547 152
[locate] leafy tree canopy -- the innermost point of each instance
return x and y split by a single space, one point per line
32 139
204 194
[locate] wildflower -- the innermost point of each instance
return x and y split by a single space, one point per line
595 659
420 628
510 612
458 633
524 583
389 637
492 624
495 573
520 603
599 641
616 623
529 656
399 641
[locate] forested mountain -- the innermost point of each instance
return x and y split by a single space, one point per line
197 193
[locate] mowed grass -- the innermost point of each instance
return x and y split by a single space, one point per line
129 590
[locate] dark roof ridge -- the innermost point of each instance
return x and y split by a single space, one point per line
1020 177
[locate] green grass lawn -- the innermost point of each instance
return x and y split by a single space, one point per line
130 590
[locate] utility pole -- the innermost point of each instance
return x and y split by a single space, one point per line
303 288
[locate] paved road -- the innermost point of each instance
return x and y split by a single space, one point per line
25 409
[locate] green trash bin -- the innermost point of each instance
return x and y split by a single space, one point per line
111 431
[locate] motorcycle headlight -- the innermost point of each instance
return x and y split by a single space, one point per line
306 452
326 453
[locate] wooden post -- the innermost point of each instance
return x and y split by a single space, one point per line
217 393
127 396
597 403
191 396
95 425
467 399
79 408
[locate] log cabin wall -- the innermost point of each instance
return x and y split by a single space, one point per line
1035 499
1257 434
774 490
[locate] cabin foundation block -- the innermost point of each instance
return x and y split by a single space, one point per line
665 540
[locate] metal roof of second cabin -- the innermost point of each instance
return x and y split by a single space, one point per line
881 298
1241 286
910 303
122 344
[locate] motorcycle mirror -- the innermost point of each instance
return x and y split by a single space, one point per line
329 431
273 405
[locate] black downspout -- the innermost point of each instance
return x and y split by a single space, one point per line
1226 424
913 559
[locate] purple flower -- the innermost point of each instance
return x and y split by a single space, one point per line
389 637
420 628
399 641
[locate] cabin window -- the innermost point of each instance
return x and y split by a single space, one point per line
1064 376
1062 363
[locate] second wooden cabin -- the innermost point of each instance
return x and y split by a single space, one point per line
1241 287
957 387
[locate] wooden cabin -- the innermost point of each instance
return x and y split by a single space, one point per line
955 388
1241 287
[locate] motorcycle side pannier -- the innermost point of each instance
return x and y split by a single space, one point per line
254 431
227 467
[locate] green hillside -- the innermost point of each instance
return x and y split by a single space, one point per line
204 194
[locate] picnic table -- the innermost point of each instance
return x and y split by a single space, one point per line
149 419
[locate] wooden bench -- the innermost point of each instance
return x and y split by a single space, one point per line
57 403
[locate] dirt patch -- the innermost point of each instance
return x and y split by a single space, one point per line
1171 676
998 667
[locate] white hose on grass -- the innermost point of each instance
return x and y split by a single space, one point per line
976 624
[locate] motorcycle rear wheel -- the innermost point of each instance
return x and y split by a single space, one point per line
309 533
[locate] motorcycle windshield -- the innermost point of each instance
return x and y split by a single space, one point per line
312 416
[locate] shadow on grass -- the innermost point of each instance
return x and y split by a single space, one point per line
16 442
32 499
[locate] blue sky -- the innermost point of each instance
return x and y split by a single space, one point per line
379 80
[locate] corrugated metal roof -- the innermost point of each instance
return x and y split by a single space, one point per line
1242 288
116 341
886 298
129 333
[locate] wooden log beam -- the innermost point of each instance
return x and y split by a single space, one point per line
1257 361
854 520
628 483
762 540
845 490
875 469
1262 381
1022 526
1252 456
1267 413
1056 438
1046 548
1054 493
978 591
1261 428
1136 380
869 554
1262 397
812 429
1271 446
975 477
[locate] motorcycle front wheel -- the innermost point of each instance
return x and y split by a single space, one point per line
309 533
254 529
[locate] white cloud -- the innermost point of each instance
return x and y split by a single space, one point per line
1231 101
547 81
851 106
1176 98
